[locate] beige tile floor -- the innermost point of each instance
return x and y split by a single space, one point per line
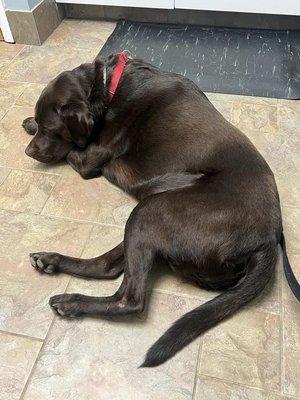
253 356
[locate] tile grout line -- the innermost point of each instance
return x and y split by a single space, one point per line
30 170
10 61
26 45
49 331
67 285
23 106
28 82
31 373
58 218
5 113
80 256
197 366
86 241
240 384
27 212
13 81
21 335
48 197
286 206
200 356
10 170
20 94
82 221
204 300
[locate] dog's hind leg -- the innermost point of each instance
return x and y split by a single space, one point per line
107 266
151 231
139 252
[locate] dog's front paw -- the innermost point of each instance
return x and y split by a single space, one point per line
74 158
77 160
30 125
67 305
45 262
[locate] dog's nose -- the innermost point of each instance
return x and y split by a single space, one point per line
30 125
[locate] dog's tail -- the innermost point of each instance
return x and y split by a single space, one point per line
260 269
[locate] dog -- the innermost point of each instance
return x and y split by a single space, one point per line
207 200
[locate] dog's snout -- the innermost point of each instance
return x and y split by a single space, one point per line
30 150
39 152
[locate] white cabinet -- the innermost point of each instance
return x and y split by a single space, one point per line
125 3
287 7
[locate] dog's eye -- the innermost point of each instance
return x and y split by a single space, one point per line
65 135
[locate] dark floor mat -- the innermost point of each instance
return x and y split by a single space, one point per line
239 61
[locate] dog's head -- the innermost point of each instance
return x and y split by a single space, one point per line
62 119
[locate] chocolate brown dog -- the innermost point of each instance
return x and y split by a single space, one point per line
208 202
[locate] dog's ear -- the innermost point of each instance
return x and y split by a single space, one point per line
79 122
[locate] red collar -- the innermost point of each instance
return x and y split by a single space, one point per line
116 75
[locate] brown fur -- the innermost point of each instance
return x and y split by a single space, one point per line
208 202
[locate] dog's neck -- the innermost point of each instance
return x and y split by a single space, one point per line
115 76
98 96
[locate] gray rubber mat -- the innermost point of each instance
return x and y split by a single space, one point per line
240 61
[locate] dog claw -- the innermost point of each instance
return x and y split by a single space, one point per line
50 269
40 264
32 262
55 300
57 309
65 305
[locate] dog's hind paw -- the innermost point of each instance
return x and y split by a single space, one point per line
45 262
67 305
